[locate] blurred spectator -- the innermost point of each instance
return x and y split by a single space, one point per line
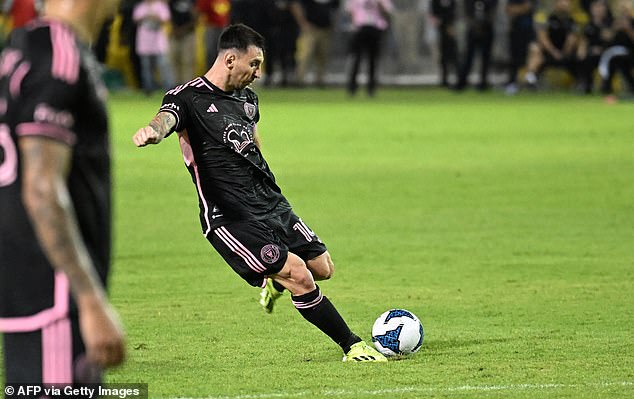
281 46
151 43
216 17
480 19
183 39
620 55
315 20
556 44
522 33
100 46
585 6
443 17
256 14
21 11
596 37
370 18
127 34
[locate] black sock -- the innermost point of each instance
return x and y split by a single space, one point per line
279 287
319 311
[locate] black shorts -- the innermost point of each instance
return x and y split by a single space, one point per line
54 354
257 248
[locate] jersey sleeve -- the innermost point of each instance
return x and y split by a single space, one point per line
48 92
175 104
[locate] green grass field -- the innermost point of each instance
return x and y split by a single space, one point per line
505 224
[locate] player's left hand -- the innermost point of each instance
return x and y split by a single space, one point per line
146 135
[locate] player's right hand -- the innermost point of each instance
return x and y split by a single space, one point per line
102 332
146 135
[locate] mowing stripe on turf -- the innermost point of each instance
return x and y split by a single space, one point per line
463 388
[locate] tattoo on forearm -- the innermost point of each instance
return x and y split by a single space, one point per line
60 241
163 123
53 218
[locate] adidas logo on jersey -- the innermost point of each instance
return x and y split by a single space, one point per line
212 108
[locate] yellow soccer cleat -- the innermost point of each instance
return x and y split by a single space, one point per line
362 352
268 296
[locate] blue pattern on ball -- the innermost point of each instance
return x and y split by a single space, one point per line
390 339
398 313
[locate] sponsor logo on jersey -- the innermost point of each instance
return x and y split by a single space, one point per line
171 106
250 110
215 213
270 253
212 108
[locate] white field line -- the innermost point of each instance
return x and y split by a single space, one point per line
463 388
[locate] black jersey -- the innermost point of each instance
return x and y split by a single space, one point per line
480 14
522 22
216 133
50 86
622 38
595 38
319 12
444 10
558 28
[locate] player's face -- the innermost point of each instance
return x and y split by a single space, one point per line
598 10
248 67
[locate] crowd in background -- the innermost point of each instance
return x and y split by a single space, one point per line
156 44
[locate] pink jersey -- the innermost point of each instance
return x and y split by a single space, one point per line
151 38
369 13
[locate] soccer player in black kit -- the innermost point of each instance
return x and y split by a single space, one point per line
242 210
55 201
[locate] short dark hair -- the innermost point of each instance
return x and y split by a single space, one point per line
239 36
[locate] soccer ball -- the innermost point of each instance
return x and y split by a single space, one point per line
397 332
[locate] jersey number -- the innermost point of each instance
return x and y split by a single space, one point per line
8 157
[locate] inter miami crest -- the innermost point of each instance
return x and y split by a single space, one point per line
250 110
270 253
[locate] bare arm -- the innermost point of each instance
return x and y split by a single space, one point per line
571 44
45 165
298 13
155 132
583 48
544 41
